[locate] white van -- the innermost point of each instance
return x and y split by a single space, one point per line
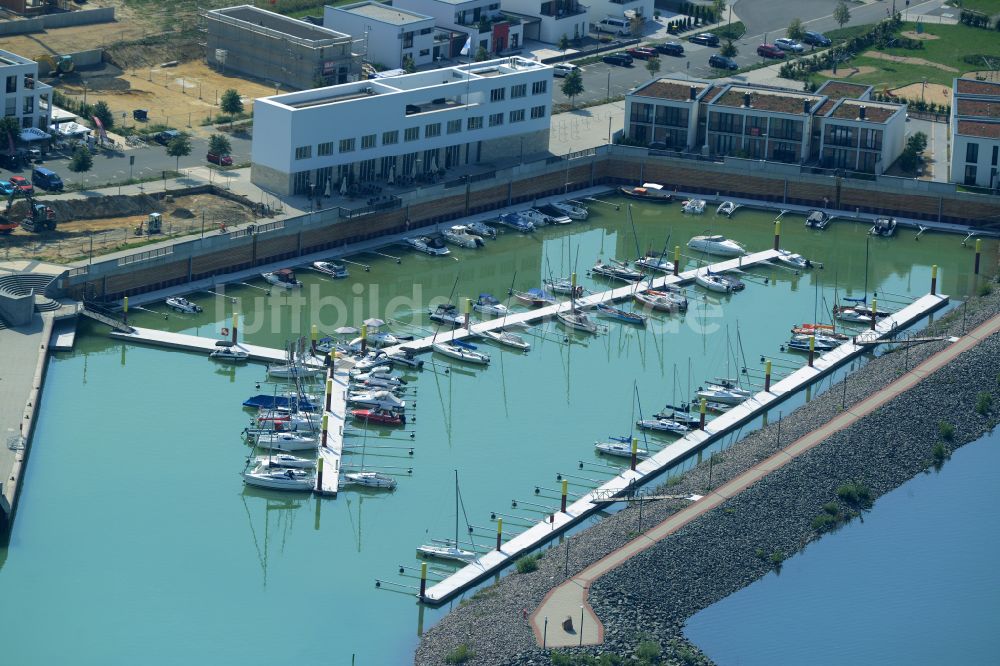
616 25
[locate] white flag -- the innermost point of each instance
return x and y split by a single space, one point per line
468 46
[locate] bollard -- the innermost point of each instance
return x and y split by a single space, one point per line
236 323
677 260
572 293
777 234
635 451
979 248
125 310
423 578
314 334
812 349
565 491
767 377
468 314
329 394
319 474
499 531
364 337
323 441
933 279
701 420
874 312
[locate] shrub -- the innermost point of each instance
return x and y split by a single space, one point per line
939 453
824 522
760 554
459 655
648 650
984 401
831 508
946 431
528 563
82 160
777 557
985 289
856 494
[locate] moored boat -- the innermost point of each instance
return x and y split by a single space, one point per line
380 416
555 215
652 192
818 219
461 353
230 354
562 285
488 304
293 370
370 480
571 211
717 245
663 425
694 206
516 221
460 235
727 208
181 304
331 268
482 229
280 479
663 301
376 399
283 277
653 263
284 460
884 226
577 320
446 551
616 270
447 313
427 245
620 447
534 297
718 282
285 441
618 314
508 339
793 260
821 343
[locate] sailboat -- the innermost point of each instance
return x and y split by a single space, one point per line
368 479
449 550
503 336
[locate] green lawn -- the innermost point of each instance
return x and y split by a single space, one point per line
731 31
955 41
985 6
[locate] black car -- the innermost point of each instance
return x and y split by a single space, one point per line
706 38
623 59
816 39
671 48
166 136
722 62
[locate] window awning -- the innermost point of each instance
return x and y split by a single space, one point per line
34 134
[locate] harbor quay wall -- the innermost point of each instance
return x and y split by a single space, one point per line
174 263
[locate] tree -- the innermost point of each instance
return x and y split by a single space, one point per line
719 7
729 49
917 141
572 85
482 54
10 129
563 43
103 113
219 144
653 67
82 160
795 30
841 14
179 146
231 104
408 65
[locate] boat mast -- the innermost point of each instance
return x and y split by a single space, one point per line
456 508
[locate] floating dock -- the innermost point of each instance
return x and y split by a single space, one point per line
335 418
610 296
151 336
679 450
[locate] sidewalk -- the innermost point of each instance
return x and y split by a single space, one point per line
570 598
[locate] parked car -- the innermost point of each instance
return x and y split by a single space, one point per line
10 160
816 39
706 38
166 136
6 188
671 48
770 51
21 183
564 68
221 160
788 44
643 52
658 145
623 59
46 179
722 62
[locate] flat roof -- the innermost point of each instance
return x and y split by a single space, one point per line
673 89
977 107
982 129
8 58
765 100
842 89
377 11
254 16
850 109
974 87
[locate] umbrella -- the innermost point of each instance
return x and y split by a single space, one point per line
345 330
392 175
326 192
413 171
434 162
374 322
343 186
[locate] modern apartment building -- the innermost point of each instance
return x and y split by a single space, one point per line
664 113
24 97
975 129
619 9
482 22
861 135
389 35
404 126
551 19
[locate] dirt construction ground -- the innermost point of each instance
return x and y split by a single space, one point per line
69 40
932 92
72 240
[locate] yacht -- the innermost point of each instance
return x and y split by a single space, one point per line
571 211
516 221
694 206
283 277
461 353
488 304
285 441
280 479
427 245
459 235
617 270
793 260
577 320
716 244
370 479
727 208
482 229
332 268
817 219
446 313
181 304
658 264
230 354
651 192
884 226
663 301
536 217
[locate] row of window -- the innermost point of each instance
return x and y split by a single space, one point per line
972 153
519 90
431 131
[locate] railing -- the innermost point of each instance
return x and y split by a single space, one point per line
145 256
82 270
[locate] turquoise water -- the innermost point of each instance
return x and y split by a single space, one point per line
135 540
915 583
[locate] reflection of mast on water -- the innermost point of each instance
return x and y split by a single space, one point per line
285 525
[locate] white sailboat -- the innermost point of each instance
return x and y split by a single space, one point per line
448 550
286 441
461 353
284 460
280 479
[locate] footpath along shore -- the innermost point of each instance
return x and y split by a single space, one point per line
718 553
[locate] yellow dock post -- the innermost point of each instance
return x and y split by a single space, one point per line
702 408
767 377
677 260
565 491
777 234
874 312
314 334
499 532
979 249
468 314
812 349
364 337
329 394
423 577
319 474
236 323
635 451
125 310
933 279
325 423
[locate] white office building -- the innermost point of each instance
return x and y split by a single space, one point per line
385 130
481 21
975 129
600 9
389 35
555 18
22 95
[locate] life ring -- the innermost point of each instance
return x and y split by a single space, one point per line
225 331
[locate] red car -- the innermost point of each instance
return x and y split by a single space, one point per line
643 52
770 51
221 160
21 183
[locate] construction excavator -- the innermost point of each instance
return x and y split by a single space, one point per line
57 64
39 218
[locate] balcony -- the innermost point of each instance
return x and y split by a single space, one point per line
486 23
561 10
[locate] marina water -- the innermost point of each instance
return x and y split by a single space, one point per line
136 541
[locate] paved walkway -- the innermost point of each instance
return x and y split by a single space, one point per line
570 598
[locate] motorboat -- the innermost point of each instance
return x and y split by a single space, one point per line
618 314
821 343
577 320
482 229
285 441
535 297
461 353
283 277
331 268
725 392
370 479
181 304
562 286
884 226
516 221
447 313
727 208
663 425
663 300
616 270
265 402
571 211
460 235
793 260
380 416
718 245
230 354
378 398
488 304
428 245
293 371
652 192
555 215
694 206
406 357
851 315
284 460
374 359
535 217
280 479
818 219
620 447
446 551
376 339
658 264
507 338
379 377
718 282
